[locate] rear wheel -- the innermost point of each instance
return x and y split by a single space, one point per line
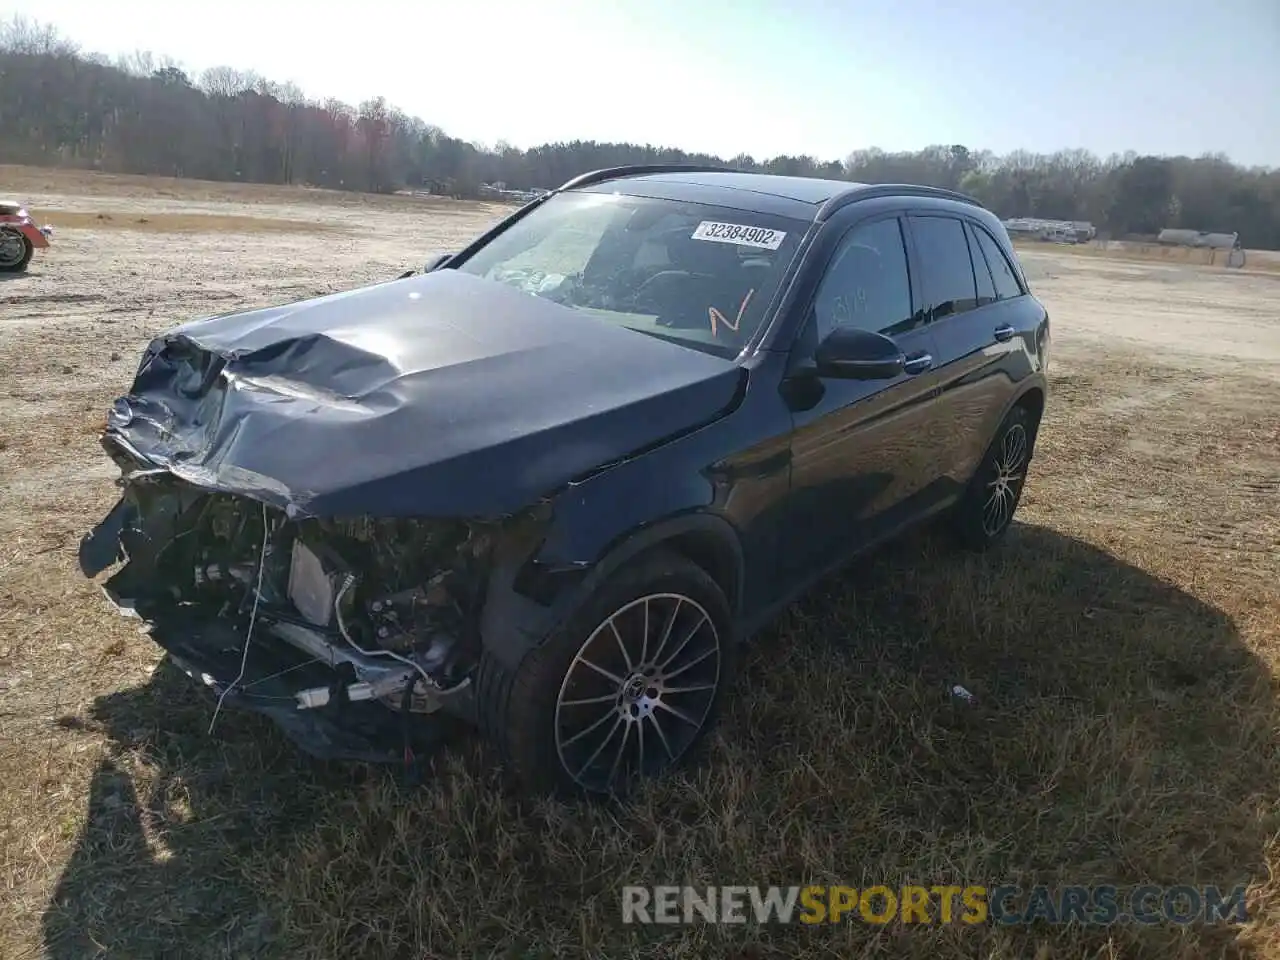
15 251
622 692
985 512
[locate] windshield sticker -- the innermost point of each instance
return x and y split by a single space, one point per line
716 315
739 234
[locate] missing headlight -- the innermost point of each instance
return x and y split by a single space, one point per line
312 589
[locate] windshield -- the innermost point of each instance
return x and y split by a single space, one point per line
700 275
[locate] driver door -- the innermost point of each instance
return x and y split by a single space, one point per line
867 454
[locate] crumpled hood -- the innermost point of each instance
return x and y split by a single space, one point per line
438 395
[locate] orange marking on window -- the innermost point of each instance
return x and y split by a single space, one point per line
716 315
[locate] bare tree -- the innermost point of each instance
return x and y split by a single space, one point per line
143 113
22 35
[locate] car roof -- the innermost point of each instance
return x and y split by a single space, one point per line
804 198
804 189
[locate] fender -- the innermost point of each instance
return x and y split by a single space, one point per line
23 224
1031 381
597 530
1026 385
524 604
724 535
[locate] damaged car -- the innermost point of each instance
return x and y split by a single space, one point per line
20 238
549 484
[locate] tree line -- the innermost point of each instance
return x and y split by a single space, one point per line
143 114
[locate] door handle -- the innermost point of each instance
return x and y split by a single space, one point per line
917 363
1004 333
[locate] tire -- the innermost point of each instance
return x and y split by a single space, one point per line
578 715
9 264
985 512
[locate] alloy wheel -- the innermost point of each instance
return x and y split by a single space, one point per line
1009 469
638 692
12 248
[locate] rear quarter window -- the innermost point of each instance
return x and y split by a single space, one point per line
981 273
1002 272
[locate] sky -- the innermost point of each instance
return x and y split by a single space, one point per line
764 78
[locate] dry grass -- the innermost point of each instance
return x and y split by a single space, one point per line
177 223
23 182
1123 647
1266 261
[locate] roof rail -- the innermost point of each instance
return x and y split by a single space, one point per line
638 169
872 190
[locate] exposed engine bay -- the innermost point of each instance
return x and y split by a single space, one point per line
380 610
256 450
397 592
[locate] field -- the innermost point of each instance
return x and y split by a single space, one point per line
1123 648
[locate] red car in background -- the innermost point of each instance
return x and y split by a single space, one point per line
19 237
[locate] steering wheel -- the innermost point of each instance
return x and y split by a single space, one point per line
662 275
681 313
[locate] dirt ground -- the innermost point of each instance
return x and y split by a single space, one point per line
1123 647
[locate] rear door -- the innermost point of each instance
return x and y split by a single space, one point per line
971 333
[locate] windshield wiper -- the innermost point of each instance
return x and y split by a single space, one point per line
714 350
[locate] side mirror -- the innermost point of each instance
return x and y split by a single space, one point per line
436 262
850 354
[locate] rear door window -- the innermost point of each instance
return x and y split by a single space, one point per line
949 285
1006 281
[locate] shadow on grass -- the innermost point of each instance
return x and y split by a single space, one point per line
1121 734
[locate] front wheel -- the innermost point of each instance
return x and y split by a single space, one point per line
985 511
15 251
624 691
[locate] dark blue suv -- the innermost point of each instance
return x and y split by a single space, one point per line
548 484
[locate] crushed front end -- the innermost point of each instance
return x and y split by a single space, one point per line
344 632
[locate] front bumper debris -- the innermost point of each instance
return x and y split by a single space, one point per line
339 685
210 651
